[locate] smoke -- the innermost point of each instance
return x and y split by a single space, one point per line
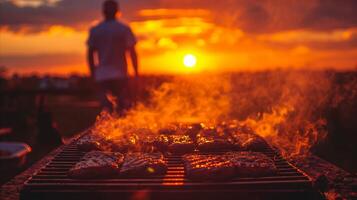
295 120
285 107
184 99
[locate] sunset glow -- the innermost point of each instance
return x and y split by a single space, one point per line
238 39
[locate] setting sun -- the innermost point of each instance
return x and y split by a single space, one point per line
189 60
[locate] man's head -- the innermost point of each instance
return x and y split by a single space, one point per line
110 9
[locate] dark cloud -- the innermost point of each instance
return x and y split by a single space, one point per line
254 16
329 14
68 13
77 14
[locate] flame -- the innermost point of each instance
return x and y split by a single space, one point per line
286 108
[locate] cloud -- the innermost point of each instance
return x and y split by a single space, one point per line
38 16
66 13
33 3
332 14
238 32
255 16
339 39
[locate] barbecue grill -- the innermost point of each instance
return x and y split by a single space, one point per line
52 182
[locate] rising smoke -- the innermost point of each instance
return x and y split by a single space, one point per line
285 107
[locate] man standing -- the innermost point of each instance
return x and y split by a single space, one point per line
108 43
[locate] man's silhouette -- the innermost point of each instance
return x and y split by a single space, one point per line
109 41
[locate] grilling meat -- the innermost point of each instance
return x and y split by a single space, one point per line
129 142
162 143
244 138
190 129
97 164
170 129
208 167
154 143
251 164
143 164
212 140
90 142
181 144
249 141
147 144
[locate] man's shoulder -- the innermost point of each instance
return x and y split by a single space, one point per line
122 24
105 25
98 26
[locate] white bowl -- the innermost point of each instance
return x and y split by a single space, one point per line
16 154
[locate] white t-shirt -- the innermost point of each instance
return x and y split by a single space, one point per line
111 39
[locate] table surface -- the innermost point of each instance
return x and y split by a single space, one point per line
11 190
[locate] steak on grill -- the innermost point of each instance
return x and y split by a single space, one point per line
251 164
162 142
244 137
90 142
143 164
170 129
181 144
249 141
97 164
208 167
123 144
212 140
190 129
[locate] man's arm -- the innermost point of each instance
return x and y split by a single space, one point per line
134 59
90 58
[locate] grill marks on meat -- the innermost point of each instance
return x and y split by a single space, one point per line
181 144
228 166
97 164
208 167
251 164
143 164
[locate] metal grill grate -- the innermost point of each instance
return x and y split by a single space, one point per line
52 182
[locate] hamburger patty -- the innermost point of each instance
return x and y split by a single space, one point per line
143 164
97 164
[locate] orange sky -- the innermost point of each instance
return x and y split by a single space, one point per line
168 31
